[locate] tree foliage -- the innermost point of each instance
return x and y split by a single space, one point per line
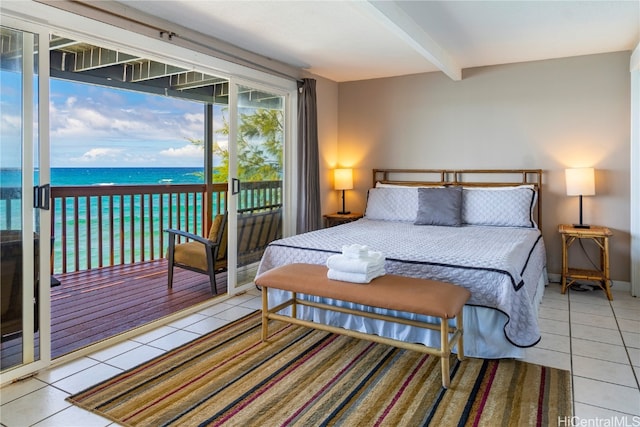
259 147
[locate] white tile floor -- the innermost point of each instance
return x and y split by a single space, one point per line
583 332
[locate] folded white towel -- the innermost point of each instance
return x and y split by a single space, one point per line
352 265
354 277
374 256
355 251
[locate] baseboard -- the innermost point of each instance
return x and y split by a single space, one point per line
618 285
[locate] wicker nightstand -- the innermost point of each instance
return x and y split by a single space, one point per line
336 219
600 236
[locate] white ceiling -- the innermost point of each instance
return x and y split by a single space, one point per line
356 40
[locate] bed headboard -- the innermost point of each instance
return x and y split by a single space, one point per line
465 177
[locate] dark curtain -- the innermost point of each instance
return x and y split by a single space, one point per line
308 216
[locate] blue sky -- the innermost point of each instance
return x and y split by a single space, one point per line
94 126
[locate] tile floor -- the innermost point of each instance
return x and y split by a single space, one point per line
583 332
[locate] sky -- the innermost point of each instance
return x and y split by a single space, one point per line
94 126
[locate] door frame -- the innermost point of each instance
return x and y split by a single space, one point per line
288 179
30 143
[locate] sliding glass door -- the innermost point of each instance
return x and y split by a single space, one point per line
257 176
24 234
24 151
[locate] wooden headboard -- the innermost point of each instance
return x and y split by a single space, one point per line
465 177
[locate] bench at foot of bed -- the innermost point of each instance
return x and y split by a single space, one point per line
420 296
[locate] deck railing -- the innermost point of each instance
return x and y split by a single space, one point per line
96 226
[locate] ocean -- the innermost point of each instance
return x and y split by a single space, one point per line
126 176
111 176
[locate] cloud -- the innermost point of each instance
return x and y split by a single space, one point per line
194 118
186 151
97 126
99 153
11 123
93 114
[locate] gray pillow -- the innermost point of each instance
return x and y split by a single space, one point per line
439 206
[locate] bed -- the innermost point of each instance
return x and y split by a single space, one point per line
479 229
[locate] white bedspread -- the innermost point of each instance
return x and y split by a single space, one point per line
499 265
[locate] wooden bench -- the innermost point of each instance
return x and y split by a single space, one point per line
420 296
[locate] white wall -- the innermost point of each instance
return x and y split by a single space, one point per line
545 114
635 171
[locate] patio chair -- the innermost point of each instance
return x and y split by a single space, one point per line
203 255
255 232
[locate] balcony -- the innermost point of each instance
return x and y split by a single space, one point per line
108 253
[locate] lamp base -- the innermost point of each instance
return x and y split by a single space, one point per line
581 226
344 213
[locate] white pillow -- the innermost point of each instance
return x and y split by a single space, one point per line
392 204
499 206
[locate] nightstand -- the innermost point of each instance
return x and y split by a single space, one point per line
600 236
336 219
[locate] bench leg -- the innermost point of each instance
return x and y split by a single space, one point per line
265 312
445 351
294 306
461 336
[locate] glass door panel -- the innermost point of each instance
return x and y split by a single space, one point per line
20 263
258 181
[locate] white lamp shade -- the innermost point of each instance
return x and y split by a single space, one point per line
580 182
343 179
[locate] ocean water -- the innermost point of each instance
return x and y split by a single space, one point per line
126 176
111 176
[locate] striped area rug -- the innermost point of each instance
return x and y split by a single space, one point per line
305 377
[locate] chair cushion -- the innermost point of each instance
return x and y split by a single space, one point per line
192 254
215 227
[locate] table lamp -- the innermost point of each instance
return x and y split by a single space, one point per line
580 182
343 180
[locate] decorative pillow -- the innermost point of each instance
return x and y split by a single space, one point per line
392 204
499 206
439 206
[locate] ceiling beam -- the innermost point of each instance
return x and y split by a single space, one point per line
392 16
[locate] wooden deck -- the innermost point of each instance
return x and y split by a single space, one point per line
92 305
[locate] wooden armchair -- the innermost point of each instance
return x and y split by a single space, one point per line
203 255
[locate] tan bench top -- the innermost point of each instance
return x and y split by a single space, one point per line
420 296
